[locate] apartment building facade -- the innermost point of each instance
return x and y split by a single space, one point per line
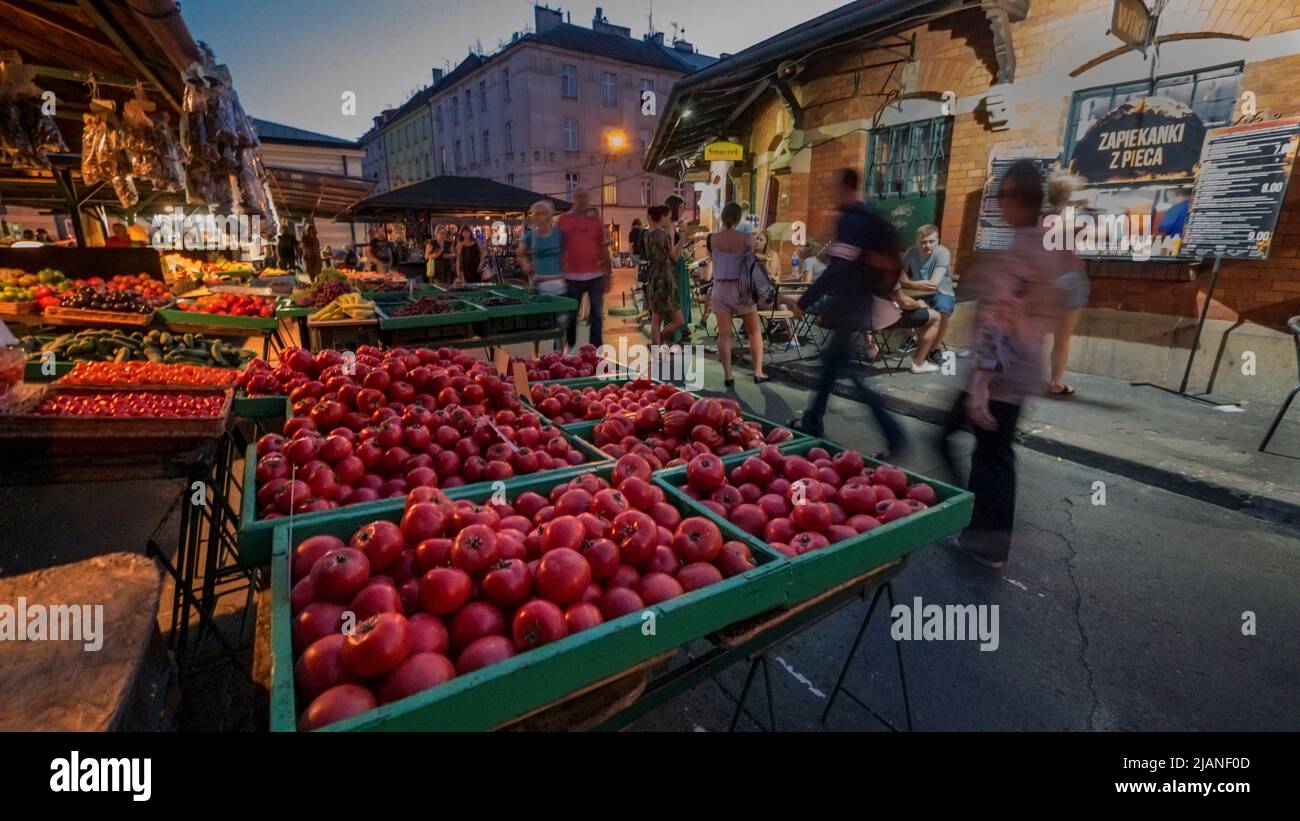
561 108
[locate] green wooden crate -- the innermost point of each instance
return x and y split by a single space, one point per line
183 321
819 570
585 430
259 407
493 696
32 371
286 308
253 544
469 314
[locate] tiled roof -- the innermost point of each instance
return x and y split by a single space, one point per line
268 131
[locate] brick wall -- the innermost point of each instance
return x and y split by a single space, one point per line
956 53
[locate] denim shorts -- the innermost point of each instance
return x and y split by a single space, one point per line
943 303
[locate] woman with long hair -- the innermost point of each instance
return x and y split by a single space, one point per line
661 279
764 251
729 253
469 257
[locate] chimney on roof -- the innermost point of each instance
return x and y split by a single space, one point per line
682 45
600 23
437 76
657 38
545 18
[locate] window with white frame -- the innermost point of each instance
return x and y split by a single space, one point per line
646 137
610 193
568 81
571 183
571 135
609 89
647 190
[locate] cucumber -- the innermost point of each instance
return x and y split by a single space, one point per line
122 354
164 338
215 352
152 354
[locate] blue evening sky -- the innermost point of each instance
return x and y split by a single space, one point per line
293 59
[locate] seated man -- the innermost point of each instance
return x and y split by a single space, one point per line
906 312
927 267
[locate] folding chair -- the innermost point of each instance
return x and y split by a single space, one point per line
778 316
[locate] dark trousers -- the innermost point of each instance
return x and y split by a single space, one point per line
595 291
837 359
992 476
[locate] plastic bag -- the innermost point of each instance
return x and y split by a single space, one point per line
103 152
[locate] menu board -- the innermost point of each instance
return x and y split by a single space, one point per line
992 233
1240 183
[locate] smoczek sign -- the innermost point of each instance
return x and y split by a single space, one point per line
724 151
1150 139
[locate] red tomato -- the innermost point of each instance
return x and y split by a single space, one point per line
377 645
538 622
336 704
562 575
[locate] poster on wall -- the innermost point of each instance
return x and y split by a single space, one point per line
1136 164
1240 182
992 232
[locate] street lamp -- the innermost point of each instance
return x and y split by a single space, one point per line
615 142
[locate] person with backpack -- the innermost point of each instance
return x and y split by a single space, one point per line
864 264
735 291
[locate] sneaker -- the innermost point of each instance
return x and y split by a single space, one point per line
925 367
908 345
936 357
954 544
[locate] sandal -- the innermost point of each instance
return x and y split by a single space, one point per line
1065 390
758 380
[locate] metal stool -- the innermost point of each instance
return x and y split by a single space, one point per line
1294 325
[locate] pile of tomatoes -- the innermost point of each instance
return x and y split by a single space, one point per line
382 423
159 404
147 373
563 404
555 365
802 503
686 426
155 291
231 305
457 586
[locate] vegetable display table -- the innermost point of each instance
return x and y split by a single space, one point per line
60 685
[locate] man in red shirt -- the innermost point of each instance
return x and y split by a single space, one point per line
585 263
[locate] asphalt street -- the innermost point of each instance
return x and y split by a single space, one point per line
1126 615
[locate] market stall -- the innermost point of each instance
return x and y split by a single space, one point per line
644 519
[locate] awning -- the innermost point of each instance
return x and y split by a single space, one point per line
448 196
314 194
711 103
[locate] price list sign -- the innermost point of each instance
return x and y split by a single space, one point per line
993 233
1240 182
